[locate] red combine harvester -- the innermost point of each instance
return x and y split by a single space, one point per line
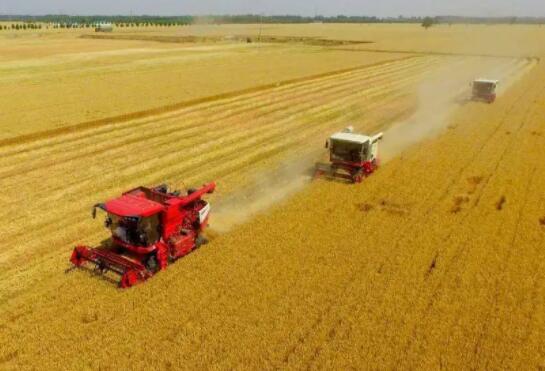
484 90
352 156
150 227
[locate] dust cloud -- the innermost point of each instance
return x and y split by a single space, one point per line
441 93
265 189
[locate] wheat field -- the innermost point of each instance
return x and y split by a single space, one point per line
436 261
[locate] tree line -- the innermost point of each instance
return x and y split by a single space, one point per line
68 21
23 26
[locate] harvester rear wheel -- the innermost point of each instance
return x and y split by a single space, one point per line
200 241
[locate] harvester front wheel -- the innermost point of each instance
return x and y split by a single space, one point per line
78 256
129 279
357 177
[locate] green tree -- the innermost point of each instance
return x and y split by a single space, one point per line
428 22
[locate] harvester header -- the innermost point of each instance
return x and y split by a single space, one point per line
150 227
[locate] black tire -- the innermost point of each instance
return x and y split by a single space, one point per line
200 241
151 264
357 177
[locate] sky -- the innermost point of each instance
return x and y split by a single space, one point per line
380 8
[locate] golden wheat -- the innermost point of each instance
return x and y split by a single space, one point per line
435 261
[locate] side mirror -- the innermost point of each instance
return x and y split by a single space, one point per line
327 144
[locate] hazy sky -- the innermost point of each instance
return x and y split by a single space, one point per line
303 7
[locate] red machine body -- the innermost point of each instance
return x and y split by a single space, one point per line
150 227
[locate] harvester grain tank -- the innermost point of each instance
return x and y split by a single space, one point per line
150 228
351 156
484 90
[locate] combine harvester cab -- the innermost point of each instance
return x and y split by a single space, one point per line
352 156
150 228
484 90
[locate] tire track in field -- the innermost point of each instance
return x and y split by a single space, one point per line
491 308
455 260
